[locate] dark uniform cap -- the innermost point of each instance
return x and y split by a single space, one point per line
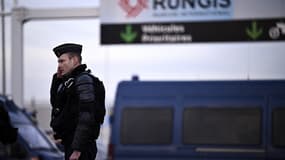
67 47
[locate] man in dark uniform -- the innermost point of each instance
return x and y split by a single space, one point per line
78 104
8 134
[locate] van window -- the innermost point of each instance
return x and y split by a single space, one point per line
225 125
278 127
146 125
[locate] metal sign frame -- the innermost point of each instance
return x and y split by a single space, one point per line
19 17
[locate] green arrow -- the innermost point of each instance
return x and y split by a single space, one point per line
254 32
128 35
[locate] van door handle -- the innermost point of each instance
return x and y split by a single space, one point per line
230 150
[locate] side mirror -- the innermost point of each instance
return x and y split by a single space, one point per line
111 119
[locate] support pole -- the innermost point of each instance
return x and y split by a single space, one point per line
3 48
17 55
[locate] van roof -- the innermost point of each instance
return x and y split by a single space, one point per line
170 88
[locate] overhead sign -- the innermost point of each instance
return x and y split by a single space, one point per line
189 21
215 31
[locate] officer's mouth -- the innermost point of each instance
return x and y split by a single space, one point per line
60 71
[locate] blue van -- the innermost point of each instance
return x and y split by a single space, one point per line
199 120
31 142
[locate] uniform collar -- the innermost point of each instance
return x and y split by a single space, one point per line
76 71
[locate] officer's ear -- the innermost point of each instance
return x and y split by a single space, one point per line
74 60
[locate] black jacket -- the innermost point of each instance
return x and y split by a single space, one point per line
74 110
8 134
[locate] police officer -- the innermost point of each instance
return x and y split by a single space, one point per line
8 134
78 106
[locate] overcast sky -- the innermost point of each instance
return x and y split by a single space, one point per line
151 62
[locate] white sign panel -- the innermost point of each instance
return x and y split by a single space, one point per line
137 11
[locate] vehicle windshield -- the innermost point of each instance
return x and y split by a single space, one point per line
33 137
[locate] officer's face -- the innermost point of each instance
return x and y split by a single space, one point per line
65 64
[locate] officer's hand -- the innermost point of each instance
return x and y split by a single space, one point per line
75 155
57 141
